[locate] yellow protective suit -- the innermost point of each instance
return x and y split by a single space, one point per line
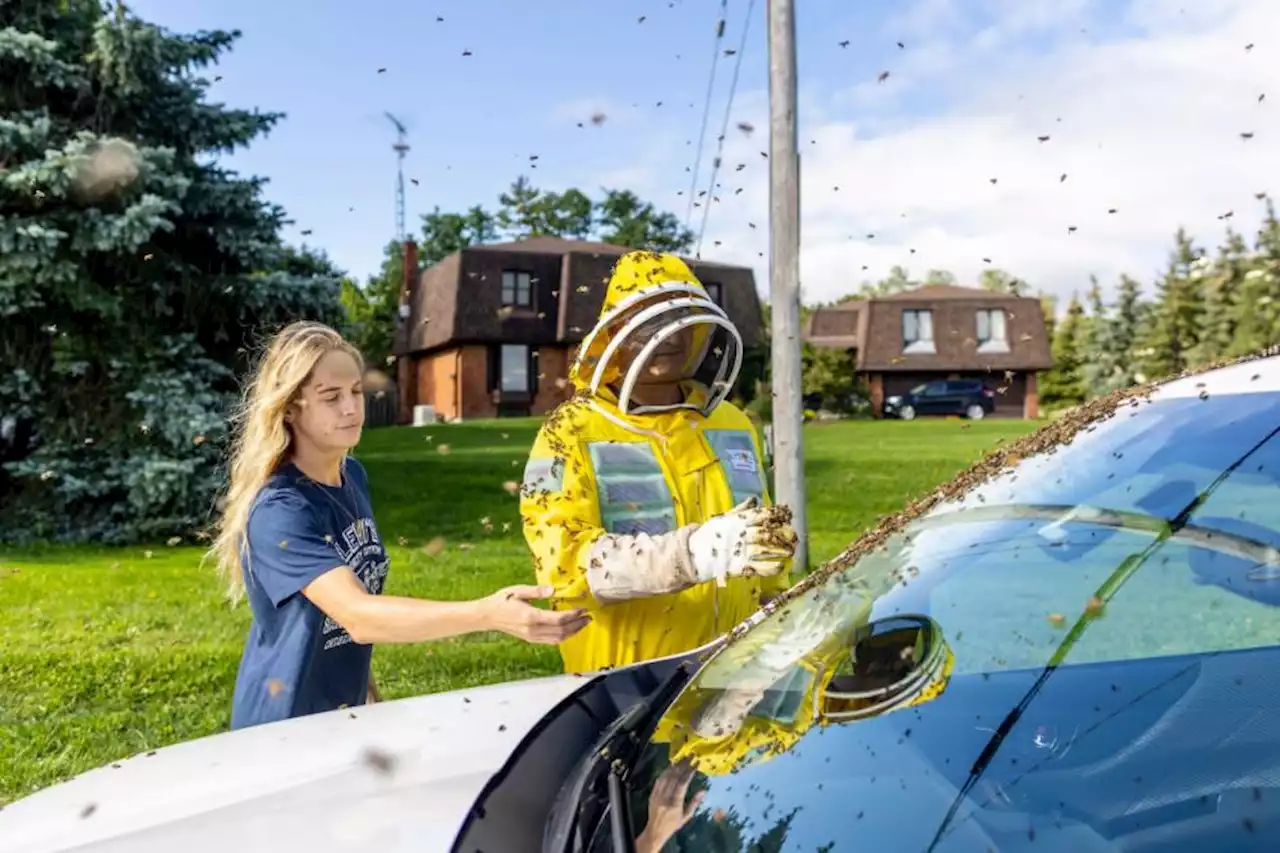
594 470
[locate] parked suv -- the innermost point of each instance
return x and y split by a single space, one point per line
967 397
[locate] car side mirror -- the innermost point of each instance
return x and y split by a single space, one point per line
893 663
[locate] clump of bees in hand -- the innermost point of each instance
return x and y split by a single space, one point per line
777 526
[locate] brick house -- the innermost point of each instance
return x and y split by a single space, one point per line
941 331
491 330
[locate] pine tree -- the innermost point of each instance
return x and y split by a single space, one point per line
1258 318
136 276
1126 327
1064 384
1173 333
1049 308
1268 249
1221 301
1098 350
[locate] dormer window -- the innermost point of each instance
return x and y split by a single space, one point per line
517 289
917 332
993 333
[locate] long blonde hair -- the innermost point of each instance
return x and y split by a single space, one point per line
262 439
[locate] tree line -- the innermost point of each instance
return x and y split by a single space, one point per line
615 216
1206 306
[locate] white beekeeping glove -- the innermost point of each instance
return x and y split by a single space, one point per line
746 541
742 542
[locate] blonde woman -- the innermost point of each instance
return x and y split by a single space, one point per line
298 538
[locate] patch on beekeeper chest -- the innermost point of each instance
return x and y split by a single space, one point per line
743 460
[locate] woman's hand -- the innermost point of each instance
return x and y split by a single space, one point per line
509 611
667 812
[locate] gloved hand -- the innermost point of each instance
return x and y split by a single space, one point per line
739 543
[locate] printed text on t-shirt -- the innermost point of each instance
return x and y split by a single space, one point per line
368 559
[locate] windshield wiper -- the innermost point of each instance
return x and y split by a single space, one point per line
623 745
617 748
1179 529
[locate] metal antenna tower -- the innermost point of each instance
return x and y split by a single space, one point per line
401 148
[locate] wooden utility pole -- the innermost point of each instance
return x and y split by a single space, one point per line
784 271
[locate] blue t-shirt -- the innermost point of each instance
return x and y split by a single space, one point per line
297 660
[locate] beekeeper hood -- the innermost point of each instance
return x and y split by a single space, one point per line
658 327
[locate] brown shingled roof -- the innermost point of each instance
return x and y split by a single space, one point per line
874 328
840 326
459 299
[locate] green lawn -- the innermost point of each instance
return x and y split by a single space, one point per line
111 652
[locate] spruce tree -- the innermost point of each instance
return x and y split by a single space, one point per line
1126 327
136 274
1258 318
1173 333
1049 309
1098 353
1222 301
1064 384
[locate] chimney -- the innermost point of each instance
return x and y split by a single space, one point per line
406 374
410 276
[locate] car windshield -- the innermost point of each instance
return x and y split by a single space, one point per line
1095 639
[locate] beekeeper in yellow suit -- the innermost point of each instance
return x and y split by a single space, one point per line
644 497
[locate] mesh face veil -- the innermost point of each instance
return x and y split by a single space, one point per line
669 333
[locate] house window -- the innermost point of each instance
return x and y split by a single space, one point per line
992 333
917 332
514 376
715 291
517 289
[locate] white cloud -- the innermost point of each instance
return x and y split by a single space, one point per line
1147 123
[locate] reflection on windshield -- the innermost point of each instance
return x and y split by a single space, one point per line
1157 553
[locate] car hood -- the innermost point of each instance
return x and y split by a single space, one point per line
394 776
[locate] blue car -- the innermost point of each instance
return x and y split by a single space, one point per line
968 398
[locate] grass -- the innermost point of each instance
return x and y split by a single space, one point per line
111 652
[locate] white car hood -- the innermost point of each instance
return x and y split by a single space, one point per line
302 784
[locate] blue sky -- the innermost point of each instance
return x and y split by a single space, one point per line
539 67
